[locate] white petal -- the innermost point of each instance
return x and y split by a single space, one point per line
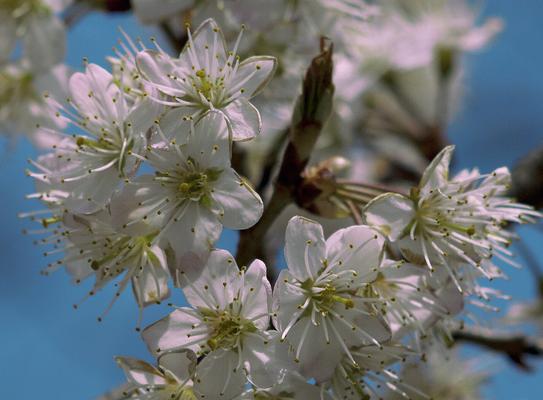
391 214
205 35
143 115
217 285
254 73
140 372
266 359
151 285
217 376
155 67
437 173
241 206
358 248
175 124
286 301
95 94
305 249
193 235
180 363
256 295
174 331
134 201
243 120
209 145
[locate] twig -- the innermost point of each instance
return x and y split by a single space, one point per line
516 347
310 113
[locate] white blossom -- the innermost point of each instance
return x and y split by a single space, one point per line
171 379
193 193
366 378
207 76
317 304
91 247
96 162
444 375
445 223
227 322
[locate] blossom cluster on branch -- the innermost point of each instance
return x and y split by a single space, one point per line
147 162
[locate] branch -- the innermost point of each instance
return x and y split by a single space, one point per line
516 347
310 113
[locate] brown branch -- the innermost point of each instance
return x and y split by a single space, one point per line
310 113
515 347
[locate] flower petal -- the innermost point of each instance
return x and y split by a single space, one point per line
241 206
175 331
391 214
358 248
256 295
207 34
253 74
305 249
217 376
151 285
175 124
140 372
243 120
156 67
209 146
217 285
193 235
437 173
180 363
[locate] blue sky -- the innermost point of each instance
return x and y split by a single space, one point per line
53 352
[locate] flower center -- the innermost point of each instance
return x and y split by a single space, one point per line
226 326
196 185
326 297
209 87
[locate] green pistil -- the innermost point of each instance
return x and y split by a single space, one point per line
205 86
197 185
469 230
141 244
226 327
327 297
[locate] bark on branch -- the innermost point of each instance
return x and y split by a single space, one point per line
310 113
516 347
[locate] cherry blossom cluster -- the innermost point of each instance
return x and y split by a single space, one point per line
31 30
140 179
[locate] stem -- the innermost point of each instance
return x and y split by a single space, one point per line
355 213
311 111
515 347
